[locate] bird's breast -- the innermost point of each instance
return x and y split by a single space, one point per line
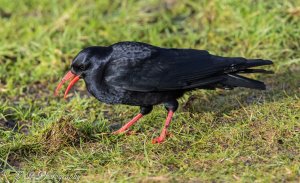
106 94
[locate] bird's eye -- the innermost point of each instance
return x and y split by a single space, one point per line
81 67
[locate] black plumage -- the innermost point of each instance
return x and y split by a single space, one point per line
140 74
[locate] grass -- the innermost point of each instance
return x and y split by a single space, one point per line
217 136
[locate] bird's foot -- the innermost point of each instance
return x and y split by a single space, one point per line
118 132
161 138
158 140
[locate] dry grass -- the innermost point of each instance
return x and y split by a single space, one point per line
61 134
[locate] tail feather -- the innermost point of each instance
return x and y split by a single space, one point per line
257 62
242 65
234 80
246 71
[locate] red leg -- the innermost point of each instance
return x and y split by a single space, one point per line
129 124
163 133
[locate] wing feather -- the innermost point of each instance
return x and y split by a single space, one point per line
141 67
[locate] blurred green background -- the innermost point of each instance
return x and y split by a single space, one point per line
241 135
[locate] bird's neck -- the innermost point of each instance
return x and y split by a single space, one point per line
95 84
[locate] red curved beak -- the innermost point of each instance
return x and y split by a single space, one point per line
69 76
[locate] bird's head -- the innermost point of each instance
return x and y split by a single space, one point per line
86 60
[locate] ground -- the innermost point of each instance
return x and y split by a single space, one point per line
240 135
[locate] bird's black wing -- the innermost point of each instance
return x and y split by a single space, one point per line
141 67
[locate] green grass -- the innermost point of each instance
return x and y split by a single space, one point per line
223 136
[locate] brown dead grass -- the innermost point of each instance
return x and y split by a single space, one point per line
61 134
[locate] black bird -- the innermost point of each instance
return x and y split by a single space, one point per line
140 74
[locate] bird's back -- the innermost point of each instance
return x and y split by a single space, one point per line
142 67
